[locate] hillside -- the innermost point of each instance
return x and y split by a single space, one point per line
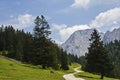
10 70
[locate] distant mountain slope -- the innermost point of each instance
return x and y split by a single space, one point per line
78 42
111 36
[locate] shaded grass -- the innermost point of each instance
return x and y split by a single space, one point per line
90 76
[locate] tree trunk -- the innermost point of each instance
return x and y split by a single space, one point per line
102 76
43 66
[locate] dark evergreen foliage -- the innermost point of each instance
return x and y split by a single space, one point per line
73 58
64 60
97 56
13 41
41 42
114 55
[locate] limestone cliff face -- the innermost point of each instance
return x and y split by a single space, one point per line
111 36
78 42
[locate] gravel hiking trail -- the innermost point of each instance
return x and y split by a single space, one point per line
71 75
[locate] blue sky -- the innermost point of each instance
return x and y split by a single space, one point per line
64 16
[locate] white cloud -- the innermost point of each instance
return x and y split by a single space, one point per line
85 4
20 22
107 18
24 21
64 31
80 3
58 26
88 3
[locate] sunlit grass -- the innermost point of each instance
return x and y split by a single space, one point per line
15 71
90 76
10 70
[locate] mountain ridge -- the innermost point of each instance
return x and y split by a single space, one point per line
78 42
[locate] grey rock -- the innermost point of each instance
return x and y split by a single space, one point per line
78 42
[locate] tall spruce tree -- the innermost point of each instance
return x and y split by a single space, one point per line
44 53
97 57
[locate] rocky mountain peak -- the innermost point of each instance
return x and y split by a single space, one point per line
78 42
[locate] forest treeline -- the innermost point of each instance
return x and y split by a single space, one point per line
114 56
36 48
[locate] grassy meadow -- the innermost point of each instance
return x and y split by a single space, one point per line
10 70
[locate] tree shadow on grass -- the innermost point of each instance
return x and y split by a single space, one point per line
32 66
87 76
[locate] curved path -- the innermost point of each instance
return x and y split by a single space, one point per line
71 75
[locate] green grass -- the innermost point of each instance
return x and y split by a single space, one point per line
10 70
90 76
71 68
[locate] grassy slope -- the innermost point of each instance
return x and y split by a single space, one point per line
10 70
90 76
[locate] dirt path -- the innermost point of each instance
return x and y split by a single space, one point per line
71 75
10 59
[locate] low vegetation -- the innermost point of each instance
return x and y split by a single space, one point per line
90 76
10 70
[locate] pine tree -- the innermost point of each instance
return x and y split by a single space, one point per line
2 39
64 60
44 52
27 48
42 27
97 57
